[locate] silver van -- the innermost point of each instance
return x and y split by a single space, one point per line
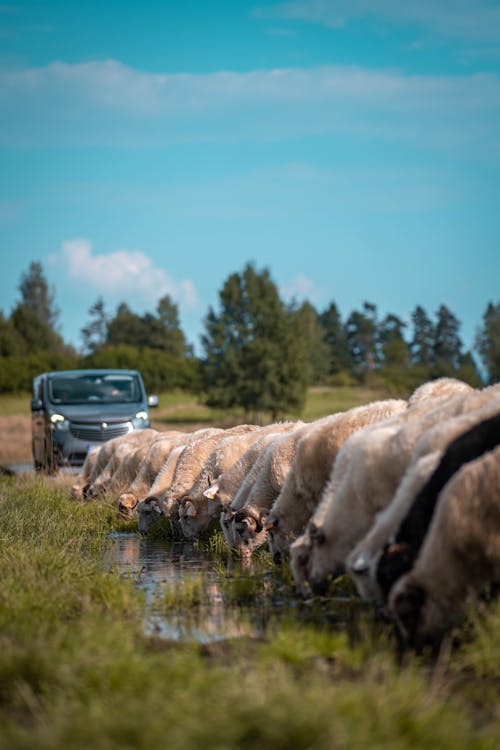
75 410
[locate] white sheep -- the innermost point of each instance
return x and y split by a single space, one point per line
460 554
437 388
81 485
150 509
378 459
196 510
154 459
110 455
251 504
390 546
313 462
239 480
187 469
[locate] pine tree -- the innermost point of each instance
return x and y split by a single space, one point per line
361 330
447 350
394 349
422 344
35 316
487 341
335 338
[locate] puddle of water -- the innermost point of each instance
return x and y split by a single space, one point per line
157 564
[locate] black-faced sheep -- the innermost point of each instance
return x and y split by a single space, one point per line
379 458
391 546
460 554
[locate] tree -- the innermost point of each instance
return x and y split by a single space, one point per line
95 333
447 350
35 315
487 341
394 349
311 331
167 334
160 331
11 343
361 330
335 338
422 344
36 295
253 355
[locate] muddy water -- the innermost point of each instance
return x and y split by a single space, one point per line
156 565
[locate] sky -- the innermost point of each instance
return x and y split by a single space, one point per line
352 147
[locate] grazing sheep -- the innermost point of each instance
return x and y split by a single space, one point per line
187 469
379 457
239 480
247 532
150 510
196 510
121 467
81 484
154 459
390 547
437 388
313 462
104 464
460 554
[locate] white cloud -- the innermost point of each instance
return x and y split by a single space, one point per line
122 275
302 288
109 103
476 19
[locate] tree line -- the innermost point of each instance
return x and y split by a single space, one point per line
259 352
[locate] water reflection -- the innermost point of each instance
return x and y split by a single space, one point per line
157 565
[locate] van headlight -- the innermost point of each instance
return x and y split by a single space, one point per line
140 420
59 422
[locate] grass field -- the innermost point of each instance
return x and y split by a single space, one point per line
77 671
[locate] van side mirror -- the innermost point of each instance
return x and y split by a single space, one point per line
153 400
36 404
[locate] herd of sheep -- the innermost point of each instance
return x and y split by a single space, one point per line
404 495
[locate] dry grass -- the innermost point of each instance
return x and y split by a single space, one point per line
15 440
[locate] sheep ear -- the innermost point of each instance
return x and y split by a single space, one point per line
212 491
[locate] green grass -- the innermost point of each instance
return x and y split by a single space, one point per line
76 670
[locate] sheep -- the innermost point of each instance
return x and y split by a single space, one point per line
314 458
153 461
82 481
390 547
149 510
122 465
249 510
436 388
189 465
196 510
378 458
104 463
460 555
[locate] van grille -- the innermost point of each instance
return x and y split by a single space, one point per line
95 433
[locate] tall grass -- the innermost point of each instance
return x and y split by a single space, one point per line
76 670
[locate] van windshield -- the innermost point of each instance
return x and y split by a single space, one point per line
104 389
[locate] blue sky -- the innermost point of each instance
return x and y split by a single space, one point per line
352 147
